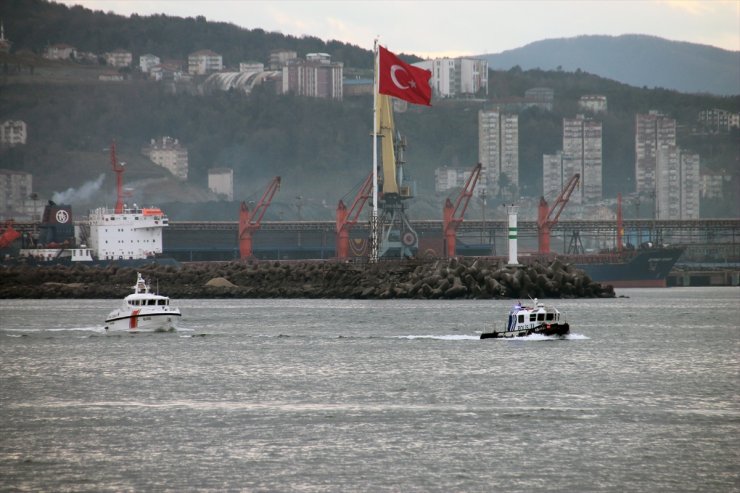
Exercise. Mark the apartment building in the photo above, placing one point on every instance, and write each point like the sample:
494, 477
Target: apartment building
119, 58
316, 76
13, 133
147, 62
221, 182
582, 153
170, 154
593, 103
678, 184
454, 77
652, 132
16, 188
203, 62
498, 153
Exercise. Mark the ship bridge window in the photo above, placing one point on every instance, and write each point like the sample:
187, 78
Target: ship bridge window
541, 317
532, 317
152, 302
160, 302
521, 319
550, 317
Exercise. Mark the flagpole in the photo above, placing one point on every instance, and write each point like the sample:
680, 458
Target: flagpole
374, 218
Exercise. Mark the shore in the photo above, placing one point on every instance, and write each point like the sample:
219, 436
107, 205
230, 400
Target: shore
438, 279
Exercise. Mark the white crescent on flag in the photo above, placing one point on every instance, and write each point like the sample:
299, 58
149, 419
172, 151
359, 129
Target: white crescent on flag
394, 68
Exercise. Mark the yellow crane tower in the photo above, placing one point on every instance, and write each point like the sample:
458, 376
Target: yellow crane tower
397, 237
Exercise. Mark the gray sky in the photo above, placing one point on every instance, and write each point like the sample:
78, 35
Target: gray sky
430, 28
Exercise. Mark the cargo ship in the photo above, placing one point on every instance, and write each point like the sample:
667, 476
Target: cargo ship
646, 267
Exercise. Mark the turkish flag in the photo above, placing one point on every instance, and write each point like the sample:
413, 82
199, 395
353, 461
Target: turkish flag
404, 81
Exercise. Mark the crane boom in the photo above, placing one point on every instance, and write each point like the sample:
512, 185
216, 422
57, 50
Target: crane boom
547, 217
347, 218
453, 215
118, 169
9, 235
249, 222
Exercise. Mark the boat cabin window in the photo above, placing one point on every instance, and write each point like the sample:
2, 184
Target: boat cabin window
541, 317
521, 319
160, 302
550, 317
152, 302
532, 317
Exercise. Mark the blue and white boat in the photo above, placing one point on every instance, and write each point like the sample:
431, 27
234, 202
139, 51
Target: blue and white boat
538, 319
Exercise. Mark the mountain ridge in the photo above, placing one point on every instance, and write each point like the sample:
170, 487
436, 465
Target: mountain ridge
639, 60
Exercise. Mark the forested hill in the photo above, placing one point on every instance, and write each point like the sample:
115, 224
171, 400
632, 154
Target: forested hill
35, 24
321, 148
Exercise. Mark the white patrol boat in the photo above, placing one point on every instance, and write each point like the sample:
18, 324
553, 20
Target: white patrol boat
143, 311
524, 321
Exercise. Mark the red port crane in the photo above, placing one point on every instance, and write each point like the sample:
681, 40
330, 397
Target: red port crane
118, 169
249, 222
452, 216
347, 218
9, 235
547, 217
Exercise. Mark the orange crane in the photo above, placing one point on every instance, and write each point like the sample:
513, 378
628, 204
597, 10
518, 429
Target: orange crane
118, 169
452, 216
249, 222
9, 235
347, 218
547, 217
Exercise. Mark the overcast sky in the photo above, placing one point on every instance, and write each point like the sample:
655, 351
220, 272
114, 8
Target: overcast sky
454, 28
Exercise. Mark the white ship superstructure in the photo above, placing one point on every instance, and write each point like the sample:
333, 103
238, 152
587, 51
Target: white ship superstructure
134, 233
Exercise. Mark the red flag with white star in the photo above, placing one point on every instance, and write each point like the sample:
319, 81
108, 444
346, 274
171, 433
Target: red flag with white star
398, 78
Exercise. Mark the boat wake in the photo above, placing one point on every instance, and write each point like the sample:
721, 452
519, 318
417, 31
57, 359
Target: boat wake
456, 337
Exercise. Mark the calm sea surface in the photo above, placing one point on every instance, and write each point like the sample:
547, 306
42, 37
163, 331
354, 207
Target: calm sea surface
339, 395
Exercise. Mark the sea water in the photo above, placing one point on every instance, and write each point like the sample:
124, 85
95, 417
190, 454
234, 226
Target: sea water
400, 395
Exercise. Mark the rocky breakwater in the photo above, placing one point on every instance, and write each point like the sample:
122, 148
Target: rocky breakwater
433, 279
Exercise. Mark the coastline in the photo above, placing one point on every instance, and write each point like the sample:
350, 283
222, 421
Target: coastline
464, 278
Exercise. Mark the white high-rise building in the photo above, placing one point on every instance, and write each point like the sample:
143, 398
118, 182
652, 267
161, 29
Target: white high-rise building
582, 146
498, 153
678, 185
221, 182
457, 76
652, 131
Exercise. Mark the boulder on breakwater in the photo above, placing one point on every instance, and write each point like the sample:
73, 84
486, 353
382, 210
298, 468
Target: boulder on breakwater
464, 278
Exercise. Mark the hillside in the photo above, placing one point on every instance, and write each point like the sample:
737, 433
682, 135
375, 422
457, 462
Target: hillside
321, 148
636, 60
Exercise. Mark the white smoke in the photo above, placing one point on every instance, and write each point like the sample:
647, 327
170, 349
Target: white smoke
79, 194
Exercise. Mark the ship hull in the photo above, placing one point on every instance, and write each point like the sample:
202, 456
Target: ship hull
647, 268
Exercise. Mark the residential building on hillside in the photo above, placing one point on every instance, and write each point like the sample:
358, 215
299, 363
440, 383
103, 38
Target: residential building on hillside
119, 58
60, 51
15, 194
498, 153
168, 153
453, 77
5, 43
203, 62
593, 102
148, 61
221, 182
251, 67
652, 132
446, 178
553, 178
357, 87
713, 184
718, 121
167, 71
582, 153
13, 133
678, 185
280, 58
316, 76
